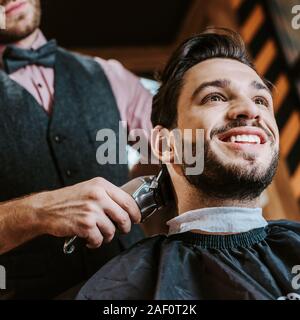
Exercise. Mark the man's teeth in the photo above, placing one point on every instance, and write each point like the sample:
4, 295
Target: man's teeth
245, 138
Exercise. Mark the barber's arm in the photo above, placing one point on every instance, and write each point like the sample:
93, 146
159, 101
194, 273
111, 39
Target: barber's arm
90, 210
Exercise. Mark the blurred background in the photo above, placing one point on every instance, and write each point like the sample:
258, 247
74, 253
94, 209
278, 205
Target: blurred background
142, 34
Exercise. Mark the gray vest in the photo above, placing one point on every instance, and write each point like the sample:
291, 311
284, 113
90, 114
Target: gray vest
40, 152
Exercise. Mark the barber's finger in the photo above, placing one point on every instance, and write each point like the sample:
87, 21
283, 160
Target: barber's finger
94, 238
125, 201
106, 227
117, 214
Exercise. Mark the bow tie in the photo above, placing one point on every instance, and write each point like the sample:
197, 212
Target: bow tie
15, 58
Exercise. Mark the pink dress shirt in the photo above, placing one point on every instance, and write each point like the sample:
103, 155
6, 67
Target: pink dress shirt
133, 100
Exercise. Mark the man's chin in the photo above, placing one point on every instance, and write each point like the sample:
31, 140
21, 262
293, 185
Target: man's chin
20, 26
246, 163
234, 152
18, 32
236, 179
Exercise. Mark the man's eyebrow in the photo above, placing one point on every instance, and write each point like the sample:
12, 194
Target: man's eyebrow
260, 86
219, 83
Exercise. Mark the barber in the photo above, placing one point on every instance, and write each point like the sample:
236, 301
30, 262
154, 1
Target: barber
52, 104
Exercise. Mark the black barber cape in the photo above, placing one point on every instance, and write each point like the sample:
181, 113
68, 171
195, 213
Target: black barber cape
262, 263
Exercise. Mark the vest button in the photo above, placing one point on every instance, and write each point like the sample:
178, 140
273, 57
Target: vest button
57, 138
68, 173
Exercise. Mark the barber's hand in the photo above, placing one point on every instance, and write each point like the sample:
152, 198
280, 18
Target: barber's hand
91, 210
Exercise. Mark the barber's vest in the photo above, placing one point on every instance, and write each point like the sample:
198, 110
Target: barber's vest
39, 152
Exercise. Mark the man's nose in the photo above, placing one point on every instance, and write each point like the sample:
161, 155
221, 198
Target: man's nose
244, 108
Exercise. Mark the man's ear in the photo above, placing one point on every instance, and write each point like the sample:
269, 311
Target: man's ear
161, 144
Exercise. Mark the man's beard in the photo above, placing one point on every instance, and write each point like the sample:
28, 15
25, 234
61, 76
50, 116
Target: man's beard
13, 34
231, 182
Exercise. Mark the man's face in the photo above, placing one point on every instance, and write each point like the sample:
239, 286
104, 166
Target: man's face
232, 104
22, 18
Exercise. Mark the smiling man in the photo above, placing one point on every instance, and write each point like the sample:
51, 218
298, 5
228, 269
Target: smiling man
219, 246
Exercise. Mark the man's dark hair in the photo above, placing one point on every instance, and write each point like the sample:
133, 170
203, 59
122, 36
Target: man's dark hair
212, 43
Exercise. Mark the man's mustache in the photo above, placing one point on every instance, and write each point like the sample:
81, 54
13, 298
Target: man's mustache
241, 123
6, 2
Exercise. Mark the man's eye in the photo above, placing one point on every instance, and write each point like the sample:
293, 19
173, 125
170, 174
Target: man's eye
261, 101
214, 98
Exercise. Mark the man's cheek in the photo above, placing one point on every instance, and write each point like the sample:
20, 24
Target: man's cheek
223, 154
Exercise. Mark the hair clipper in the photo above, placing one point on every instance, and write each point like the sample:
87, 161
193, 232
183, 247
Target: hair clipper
151, 193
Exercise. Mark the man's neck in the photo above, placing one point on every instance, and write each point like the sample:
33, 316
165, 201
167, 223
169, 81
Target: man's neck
35, 39
25, 42
190, 198
28, 41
